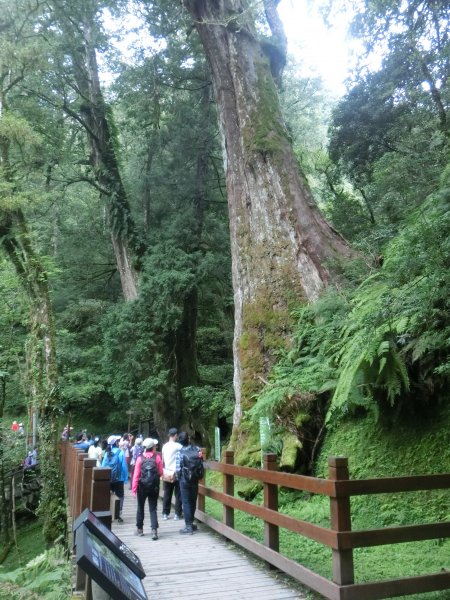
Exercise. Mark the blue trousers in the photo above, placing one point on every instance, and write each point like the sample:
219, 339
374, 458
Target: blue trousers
189, 492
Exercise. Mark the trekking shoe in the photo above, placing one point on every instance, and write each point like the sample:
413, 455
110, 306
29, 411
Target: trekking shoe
165, 517
119, 520
139, 532
176, 518
194, 527
154, 534
187, 531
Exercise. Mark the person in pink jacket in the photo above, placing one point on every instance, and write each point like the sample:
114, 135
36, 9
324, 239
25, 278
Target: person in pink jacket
146, 477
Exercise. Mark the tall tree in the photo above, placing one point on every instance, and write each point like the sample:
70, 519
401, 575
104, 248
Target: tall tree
282, 248
18, 56
76, 41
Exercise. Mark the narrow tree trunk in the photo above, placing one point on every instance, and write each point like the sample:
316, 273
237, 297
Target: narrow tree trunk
98, 125
5, 511
282, 248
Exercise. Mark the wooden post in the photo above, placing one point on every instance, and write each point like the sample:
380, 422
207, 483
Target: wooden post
74, 481
271, 532
100, 489
341, 520
78, 479
228, 488
86, 483
201, 498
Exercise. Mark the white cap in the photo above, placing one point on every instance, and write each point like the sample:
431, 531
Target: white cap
113, 439
149, 442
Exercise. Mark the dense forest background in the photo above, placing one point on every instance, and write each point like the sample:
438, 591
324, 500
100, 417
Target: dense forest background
118, 303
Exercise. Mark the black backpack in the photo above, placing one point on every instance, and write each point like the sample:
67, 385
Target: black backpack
149, 478
191, 464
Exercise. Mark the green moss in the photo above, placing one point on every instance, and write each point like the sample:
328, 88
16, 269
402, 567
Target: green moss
289, 453
266, 132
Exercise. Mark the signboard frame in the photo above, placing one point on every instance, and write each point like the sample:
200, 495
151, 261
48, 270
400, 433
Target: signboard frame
104, 566
127, 556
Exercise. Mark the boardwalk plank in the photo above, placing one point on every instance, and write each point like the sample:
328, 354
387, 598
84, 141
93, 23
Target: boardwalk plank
203, 566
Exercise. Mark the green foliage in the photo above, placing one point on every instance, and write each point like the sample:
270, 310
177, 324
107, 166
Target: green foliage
48, 575
384, 343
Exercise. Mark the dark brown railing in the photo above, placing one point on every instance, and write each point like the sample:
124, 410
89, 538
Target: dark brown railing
339, 537
88, 487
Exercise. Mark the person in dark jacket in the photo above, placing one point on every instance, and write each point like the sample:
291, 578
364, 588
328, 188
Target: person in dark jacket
188, 486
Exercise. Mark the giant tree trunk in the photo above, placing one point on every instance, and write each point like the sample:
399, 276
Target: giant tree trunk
282, 248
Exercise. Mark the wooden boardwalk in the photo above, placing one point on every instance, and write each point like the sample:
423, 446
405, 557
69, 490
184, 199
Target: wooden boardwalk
202, 566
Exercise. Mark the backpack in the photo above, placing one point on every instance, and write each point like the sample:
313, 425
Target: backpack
136, 451
112, 461
191, 464
149, 478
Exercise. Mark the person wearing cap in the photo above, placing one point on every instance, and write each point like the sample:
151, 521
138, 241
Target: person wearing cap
151, 493
116, 486
170, 484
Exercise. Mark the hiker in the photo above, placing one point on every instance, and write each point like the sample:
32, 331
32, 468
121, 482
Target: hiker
146, 477
95, 451
170, 484
136, 451
115, 460
81, 442
189, 470
15, 426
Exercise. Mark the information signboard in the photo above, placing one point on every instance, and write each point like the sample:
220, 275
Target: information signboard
106, 568
110, 540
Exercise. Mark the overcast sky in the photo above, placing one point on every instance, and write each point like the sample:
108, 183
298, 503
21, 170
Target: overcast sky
327, 52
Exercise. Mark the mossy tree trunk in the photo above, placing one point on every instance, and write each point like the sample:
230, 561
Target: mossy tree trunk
42, 372
5, 512
79, 31
283, 250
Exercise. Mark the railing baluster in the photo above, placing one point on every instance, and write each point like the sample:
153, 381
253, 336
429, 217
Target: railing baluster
343, 573
228, 488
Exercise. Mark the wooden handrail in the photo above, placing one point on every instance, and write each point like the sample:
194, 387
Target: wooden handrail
80, 476
339, 536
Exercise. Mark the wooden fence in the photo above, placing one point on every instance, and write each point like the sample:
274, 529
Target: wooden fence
88, 487
339, 537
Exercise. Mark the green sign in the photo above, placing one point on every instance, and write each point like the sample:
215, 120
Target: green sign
217, 444
264, 436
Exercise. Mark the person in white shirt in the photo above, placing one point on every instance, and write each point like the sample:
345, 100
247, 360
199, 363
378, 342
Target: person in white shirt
95, 451
169, 451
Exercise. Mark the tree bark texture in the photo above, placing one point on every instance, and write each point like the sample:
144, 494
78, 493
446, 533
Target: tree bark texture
94, 118
282, 248
42, 371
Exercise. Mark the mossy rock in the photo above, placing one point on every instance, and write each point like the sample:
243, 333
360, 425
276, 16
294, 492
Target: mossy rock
289, 454
250, 490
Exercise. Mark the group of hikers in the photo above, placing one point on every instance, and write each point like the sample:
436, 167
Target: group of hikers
179, 465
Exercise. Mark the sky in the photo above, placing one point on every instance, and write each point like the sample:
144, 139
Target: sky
323, 51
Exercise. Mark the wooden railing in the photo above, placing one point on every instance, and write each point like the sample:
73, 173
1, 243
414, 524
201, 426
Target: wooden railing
87, 486
339, 536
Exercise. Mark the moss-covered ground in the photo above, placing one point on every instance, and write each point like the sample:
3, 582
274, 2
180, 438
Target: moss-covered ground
374, 449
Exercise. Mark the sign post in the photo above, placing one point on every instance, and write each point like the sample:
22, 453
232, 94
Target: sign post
264, 436
217, 443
